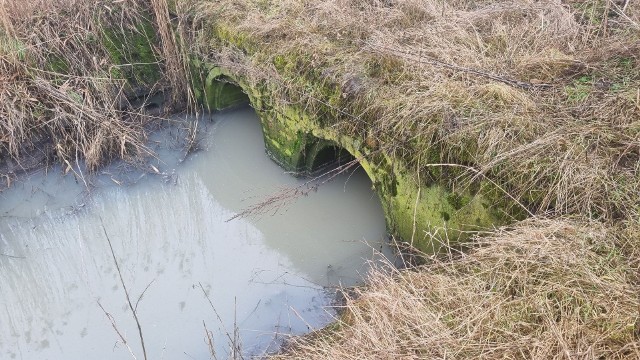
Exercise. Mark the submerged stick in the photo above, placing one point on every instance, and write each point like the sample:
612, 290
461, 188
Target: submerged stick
126, 292
115, 327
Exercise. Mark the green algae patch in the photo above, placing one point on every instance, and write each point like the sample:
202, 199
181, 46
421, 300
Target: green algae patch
221, 93
132, 51
432, 217
427, 218
286, 139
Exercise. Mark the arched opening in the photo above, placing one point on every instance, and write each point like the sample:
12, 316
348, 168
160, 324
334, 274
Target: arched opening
325, 156
299, 143
221, 92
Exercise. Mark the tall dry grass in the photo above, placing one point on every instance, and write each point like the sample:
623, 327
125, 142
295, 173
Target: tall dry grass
63, 92
545, 289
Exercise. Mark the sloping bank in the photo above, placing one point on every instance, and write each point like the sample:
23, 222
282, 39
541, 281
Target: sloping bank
465, 116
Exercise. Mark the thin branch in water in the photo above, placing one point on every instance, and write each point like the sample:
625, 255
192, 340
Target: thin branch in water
143, 292
115, 327
309, 327
209, 340
126, 292
232, 341
235, 352
282, 197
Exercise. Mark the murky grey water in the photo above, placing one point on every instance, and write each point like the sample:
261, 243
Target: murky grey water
172, 240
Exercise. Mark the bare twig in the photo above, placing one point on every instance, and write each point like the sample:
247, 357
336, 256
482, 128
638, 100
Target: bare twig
143, 292
126, 293
115, 327
279, 199
209, 341
236, 352
232, 339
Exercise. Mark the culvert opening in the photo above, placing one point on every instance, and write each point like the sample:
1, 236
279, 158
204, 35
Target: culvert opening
328, 158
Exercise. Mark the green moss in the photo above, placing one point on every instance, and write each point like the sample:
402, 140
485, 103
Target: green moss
213, 89
280, 62
390, 185
457, 201
418, 211
413, 211
132, 51
288, 141
234, 37
221, 93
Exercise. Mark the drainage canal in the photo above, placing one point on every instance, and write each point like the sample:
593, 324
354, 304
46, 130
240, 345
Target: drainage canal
184, 264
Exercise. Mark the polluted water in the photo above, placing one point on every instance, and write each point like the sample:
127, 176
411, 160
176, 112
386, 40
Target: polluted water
96, 265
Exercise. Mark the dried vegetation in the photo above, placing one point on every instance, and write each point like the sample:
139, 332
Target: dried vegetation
68, 70
542, 97
545, 289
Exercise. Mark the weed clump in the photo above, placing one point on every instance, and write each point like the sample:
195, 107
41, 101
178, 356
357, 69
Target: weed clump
69, 71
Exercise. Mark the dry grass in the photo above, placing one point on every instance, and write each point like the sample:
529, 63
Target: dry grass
545, 289
540, 96
64, 92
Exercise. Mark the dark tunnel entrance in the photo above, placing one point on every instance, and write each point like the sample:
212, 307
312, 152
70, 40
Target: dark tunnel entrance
329, 157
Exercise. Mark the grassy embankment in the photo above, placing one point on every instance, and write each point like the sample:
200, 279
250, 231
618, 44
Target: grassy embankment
542, 98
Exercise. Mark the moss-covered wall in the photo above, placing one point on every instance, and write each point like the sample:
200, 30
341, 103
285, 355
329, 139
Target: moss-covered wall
132, 50
426, 215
